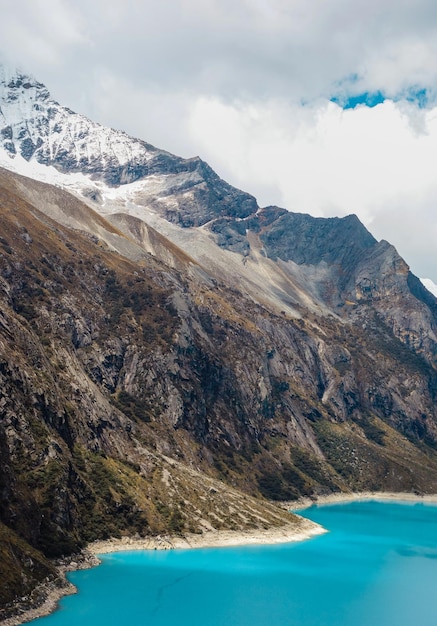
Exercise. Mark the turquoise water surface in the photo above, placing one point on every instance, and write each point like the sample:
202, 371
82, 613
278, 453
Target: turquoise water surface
376, 567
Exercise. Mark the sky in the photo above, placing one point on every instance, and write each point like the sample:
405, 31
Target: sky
321, 107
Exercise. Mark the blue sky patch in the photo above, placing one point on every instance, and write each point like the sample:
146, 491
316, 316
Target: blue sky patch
370, 99
415, 95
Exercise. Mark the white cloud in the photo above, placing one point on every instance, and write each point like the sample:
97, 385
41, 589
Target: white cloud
36, 33
232, 49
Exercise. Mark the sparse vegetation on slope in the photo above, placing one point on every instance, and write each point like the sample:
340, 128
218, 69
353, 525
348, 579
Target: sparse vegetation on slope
139, 399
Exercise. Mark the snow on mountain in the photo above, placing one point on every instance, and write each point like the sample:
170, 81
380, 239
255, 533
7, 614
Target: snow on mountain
36, 126
270, 255
93, 160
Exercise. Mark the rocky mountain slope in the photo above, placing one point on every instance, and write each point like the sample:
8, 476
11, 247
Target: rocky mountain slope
174, 358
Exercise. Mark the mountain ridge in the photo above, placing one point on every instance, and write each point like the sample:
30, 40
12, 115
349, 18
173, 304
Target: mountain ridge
53, 135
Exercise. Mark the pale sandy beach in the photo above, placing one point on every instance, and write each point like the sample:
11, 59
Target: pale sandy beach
338, 498
210, 539
305, 529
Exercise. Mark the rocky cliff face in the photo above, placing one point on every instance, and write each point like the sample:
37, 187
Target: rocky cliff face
100, 389
111, 366
172, 357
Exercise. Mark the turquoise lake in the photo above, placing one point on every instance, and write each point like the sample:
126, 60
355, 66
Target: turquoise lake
376, 567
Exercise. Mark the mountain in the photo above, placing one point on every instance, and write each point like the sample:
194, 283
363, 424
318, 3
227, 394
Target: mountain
174, 358
35, 128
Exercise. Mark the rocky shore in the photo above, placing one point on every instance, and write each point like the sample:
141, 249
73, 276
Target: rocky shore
209, 539
341, 498
46, 596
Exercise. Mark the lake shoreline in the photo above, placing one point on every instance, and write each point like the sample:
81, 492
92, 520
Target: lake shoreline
212, 539
342, 498
48, 594
44, 599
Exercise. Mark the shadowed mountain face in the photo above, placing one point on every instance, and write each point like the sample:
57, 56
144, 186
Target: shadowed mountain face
172, 356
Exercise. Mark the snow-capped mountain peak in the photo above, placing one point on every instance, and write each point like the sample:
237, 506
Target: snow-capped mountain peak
92, 159
35, 126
